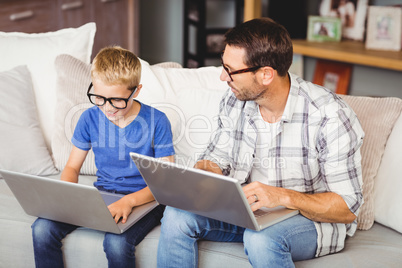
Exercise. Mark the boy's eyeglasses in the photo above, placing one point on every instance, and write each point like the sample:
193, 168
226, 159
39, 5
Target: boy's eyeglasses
246, 70
118, 103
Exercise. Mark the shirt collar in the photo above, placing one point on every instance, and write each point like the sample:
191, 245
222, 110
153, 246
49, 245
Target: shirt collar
290, 106
251, 107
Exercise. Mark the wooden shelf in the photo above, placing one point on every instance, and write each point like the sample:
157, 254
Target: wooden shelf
350, 52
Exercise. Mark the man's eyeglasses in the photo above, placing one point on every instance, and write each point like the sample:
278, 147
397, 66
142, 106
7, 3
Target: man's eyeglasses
246, 70
118, 103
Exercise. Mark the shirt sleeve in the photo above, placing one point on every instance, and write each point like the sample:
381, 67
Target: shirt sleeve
163, 138
81, 137
339, 143
218, 148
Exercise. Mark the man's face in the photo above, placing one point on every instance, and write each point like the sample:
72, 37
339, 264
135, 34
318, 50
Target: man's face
245, 85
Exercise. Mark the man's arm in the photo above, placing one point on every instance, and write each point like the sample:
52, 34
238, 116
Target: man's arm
320, 207
208, 165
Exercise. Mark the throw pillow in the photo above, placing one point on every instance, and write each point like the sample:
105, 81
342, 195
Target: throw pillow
23, 147
73, 79
377, 117
38, 52
388, 183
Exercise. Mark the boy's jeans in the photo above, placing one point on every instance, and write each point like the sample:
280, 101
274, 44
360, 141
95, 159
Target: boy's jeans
276, 246
119, 248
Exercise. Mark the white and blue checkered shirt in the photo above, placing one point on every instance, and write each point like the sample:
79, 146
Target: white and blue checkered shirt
316, 149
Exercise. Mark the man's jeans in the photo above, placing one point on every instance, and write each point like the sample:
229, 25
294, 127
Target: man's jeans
279, 245
119, 248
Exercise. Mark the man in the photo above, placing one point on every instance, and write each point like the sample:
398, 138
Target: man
294, 143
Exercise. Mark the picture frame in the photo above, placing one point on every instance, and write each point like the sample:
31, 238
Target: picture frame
215, 42
334, 76
322, 29
384, 28
352, 13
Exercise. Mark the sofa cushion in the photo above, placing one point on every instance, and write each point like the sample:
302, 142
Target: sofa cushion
196, 95
388, 182
38, 52
377, 117
23, 147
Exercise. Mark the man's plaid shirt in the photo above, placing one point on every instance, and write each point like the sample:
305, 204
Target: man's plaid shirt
316, 150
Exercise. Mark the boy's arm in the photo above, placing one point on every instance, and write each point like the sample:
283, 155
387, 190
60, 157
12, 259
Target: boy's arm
72, 169
122, 208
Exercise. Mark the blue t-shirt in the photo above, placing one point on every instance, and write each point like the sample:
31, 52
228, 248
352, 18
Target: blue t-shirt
148, 134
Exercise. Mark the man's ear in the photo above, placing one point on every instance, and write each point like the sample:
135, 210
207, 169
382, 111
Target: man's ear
268, 74
137, 91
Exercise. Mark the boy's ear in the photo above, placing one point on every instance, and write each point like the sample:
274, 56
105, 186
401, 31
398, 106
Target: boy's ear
137, 91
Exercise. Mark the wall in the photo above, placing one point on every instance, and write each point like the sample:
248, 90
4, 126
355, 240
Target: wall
161, 40
161, 30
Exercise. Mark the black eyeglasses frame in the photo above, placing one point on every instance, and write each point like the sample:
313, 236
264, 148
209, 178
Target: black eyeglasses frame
110, 100
245, 70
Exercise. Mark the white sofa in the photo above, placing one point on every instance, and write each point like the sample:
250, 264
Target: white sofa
42, 98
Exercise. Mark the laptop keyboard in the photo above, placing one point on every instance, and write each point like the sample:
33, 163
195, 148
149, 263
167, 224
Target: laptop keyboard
259, 212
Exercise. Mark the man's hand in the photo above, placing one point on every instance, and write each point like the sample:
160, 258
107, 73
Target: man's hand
262, 195
320, 207
121, 209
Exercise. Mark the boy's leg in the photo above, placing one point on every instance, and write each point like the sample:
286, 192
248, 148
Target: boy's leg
180, 232
120, 248
47, 236
279, 245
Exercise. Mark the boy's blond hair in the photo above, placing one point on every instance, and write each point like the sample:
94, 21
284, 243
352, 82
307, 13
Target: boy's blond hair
116, 66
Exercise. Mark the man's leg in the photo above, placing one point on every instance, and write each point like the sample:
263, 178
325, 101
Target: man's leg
279, 245
180, 232
47, 236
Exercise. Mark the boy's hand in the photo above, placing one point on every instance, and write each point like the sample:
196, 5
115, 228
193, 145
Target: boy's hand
121, 209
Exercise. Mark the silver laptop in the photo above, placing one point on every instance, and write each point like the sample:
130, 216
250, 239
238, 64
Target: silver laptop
68, 202
205, 193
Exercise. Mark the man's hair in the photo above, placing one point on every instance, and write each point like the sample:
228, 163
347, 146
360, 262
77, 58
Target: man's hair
266, 42
116, 66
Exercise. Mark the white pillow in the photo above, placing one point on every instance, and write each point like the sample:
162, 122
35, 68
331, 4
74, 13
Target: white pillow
388, 182
38, 52
23, 148
191, 103
200, 109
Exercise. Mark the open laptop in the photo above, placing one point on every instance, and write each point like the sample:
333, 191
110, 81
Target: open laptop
205, 193
68, 202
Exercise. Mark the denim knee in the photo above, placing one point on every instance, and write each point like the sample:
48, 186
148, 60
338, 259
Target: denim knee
116, 247
40, 231
45, 232
254, 240
179, 220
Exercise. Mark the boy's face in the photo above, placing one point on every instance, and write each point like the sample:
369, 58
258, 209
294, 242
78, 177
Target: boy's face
115, 91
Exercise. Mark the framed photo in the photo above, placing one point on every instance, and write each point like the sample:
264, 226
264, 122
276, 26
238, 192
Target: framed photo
384, 28
352, 14
334, 76
215, 43
324, 29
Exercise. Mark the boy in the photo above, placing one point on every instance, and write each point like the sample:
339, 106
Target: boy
116, 125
